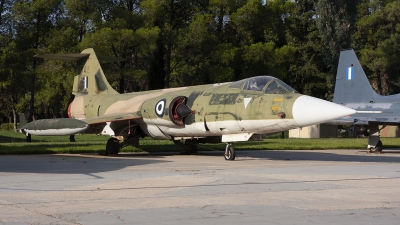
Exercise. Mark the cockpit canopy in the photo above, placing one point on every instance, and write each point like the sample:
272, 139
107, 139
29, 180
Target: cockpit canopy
267, 84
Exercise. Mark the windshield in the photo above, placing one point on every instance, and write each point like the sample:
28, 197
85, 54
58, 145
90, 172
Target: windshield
256, 83
270, 85
275, 88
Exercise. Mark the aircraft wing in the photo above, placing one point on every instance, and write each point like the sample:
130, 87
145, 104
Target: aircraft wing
112, 118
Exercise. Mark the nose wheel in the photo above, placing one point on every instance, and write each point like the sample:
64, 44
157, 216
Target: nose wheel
378, 148
374, 142
229, 152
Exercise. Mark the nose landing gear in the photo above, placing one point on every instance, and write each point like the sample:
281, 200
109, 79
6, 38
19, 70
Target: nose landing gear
229, 152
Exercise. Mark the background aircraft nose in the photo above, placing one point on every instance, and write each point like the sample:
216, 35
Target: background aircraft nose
309, 110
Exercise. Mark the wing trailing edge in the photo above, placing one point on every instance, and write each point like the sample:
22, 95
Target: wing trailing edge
112, 118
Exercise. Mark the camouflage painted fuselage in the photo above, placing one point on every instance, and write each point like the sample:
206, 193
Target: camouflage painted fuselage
217, 110
228, 111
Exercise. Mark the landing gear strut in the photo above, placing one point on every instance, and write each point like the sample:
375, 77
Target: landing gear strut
130, 136
190, 146
112, 146
229, 152
374, 142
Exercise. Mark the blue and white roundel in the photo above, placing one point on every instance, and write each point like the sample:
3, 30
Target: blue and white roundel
160, 106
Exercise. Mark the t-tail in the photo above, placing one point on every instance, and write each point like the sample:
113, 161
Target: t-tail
352, 84
89, 80
89, 77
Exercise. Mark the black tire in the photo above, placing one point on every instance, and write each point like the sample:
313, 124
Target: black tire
379, 146
112, 146
188, 149
229, 152
191, 146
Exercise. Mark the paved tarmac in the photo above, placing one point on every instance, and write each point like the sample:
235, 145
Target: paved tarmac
260, 187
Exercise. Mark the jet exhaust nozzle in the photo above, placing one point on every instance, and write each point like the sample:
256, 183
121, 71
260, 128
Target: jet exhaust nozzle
178, 110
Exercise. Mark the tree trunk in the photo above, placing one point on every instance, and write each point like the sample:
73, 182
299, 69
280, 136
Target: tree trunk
168, 63
32, 100
14, 113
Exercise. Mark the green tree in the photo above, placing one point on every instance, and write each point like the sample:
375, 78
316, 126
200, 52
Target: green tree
336, 22
377, 38
34, 20
171, 16
193, 53
13, 76
307, 70
136, 47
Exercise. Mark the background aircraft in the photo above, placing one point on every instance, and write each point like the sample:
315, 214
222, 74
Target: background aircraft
353, 90
225, 112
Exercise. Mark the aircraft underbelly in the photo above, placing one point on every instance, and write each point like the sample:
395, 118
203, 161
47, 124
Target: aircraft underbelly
221, 128
156, 132
266, 126
217, 125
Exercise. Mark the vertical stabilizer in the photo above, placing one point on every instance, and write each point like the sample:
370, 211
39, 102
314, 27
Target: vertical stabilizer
352, 85
22, 120
89, 77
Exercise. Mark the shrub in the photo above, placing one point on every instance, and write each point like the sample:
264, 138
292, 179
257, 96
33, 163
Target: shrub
8, 126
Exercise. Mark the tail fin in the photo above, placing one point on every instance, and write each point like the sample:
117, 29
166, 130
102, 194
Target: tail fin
352, 85
22, 120
89, 77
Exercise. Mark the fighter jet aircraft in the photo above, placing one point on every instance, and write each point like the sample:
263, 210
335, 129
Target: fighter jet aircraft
353, 90
223, 112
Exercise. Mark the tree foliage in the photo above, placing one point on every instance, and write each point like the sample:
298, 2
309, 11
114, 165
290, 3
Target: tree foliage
170, 43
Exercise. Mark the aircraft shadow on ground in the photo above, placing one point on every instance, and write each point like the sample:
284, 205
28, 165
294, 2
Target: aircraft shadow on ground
389, 156
6, 139
89, 164
360, 156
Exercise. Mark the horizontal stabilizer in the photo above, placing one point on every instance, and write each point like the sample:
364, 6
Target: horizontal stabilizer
63, 57
77, 57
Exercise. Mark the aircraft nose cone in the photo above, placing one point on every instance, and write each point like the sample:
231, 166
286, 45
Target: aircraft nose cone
309, 111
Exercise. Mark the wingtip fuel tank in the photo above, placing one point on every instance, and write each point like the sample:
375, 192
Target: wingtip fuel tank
55, 127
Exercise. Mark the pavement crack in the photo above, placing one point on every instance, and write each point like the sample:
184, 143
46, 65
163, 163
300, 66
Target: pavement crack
52, 216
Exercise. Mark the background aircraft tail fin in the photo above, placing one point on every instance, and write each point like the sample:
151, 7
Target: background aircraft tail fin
22, 120
89, 76
352, 84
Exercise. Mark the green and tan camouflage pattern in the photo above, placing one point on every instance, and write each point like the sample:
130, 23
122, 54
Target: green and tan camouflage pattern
217, 109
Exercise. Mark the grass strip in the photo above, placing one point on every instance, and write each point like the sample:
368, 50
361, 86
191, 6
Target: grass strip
14, 143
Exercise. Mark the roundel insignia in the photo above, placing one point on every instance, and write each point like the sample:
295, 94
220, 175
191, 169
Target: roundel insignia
160, 106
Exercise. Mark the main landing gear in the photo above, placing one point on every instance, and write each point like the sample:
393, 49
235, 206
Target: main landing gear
229, 152
374, 142
190, 145
112, 147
